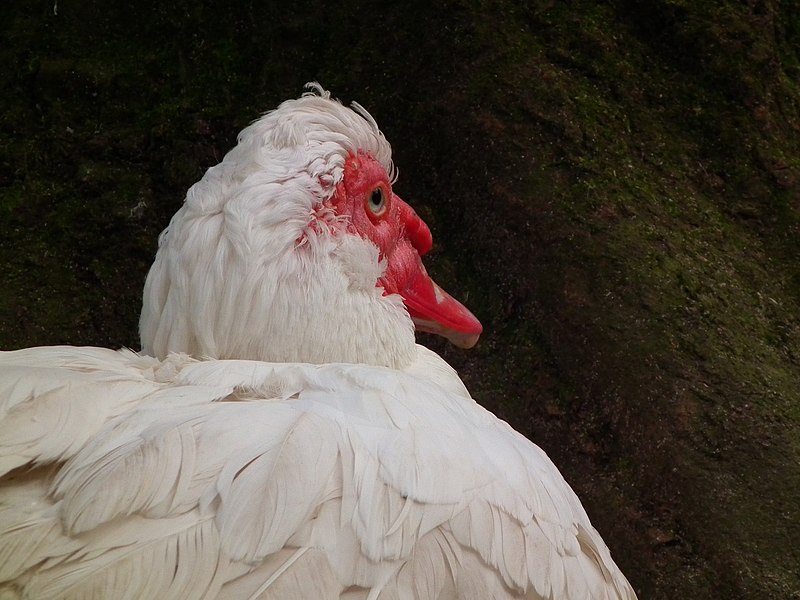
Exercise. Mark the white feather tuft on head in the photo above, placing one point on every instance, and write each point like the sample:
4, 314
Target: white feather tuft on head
253, 266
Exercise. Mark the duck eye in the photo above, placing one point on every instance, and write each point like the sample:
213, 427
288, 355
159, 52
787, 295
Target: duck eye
376, 202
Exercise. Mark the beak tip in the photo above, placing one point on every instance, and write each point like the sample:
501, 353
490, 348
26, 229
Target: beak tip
464, 341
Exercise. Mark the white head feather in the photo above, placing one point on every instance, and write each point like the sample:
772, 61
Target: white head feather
253, 266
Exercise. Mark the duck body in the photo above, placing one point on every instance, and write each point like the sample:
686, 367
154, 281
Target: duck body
282, 435
131, 477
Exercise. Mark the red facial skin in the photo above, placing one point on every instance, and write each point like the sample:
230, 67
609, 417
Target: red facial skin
377, 214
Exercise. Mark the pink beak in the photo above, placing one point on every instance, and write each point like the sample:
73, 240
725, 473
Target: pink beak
435, 311
432, 309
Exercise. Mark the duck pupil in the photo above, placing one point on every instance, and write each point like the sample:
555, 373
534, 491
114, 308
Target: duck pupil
376, 199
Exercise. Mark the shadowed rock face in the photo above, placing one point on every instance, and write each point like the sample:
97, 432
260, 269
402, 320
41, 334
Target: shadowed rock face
614, 187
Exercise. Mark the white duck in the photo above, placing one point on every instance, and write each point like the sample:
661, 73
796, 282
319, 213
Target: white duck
282, 435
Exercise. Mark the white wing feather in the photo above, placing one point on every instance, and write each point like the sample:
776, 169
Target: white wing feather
129, 477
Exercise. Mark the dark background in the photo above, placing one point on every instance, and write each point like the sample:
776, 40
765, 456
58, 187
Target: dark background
613, 188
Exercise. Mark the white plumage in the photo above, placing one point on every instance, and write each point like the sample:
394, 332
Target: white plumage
308, 448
